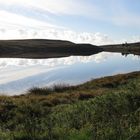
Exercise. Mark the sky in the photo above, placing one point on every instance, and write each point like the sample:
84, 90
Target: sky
81, 21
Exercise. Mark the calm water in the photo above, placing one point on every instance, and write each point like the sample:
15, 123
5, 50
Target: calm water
19, 75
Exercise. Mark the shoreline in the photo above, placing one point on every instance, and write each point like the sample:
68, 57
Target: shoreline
106, 80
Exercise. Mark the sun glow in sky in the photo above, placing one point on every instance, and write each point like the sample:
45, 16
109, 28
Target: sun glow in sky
87, 21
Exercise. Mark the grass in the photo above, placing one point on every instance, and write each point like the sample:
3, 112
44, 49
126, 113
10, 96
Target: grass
102, 109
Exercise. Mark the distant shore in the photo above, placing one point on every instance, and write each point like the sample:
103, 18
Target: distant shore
124, 48
41, 48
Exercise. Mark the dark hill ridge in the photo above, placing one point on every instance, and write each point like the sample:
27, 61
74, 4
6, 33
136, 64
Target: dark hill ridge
39, 48
43, 48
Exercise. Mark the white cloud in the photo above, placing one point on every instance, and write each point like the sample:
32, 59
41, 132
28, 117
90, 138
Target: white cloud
135, 39
54, 33
114, 11
13, 21
36, 13
16, 25
57, 7
61, 34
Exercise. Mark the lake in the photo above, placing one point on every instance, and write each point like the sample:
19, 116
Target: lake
19, 75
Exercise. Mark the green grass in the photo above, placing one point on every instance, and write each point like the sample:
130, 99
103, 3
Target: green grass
102, 109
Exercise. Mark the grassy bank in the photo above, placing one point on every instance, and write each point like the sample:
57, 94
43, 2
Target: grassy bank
102, 109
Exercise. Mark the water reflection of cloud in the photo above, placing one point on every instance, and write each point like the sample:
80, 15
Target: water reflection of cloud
53, 62
17, 75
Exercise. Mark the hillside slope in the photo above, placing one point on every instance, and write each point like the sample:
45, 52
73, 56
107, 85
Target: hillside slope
103, 109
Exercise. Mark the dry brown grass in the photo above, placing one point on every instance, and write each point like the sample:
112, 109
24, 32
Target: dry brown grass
68, 95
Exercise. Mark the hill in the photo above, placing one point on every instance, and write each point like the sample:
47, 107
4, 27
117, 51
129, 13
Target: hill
39, 48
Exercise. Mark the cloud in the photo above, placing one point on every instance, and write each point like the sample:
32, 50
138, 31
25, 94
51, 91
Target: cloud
113, 11
13, 21
53, 33
56, 7
33, 19
135, 39
61, 34
52, 62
